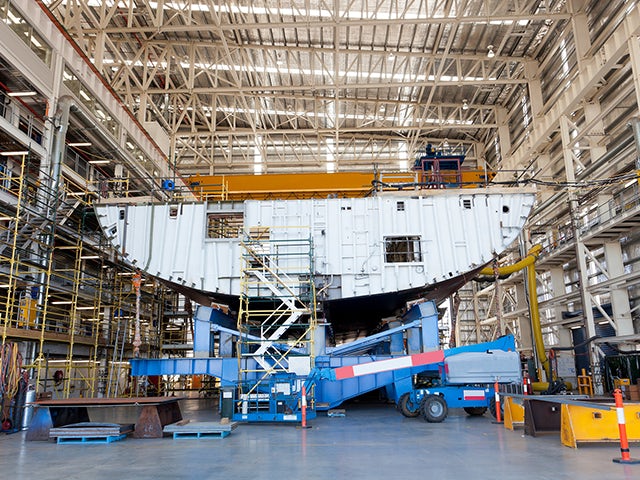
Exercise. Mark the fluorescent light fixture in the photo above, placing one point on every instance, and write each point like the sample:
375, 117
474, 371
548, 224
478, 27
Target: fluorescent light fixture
89, 257
79, 144
85, 96
61, 302
99, 162
12, 18
16, 152
29, 93
4, 217
85, 308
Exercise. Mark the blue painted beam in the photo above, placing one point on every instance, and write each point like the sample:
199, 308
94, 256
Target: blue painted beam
506, 343
226, 369
368, 342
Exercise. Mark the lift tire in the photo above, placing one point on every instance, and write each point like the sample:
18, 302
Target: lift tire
434, 408
408, 408
475, 411
492, 408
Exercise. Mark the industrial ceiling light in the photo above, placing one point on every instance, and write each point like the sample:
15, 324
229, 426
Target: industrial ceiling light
465, 104
29, 93
79, 144
491, 53
16, 152
99, 162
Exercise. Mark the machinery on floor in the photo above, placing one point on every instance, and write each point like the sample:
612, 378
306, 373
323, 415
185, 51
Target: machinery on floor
389, 360
464, 380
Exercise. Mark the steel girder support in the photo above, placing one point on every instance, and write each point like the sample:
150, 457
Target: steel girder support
634, 58
619, 293
592, 71
583, 273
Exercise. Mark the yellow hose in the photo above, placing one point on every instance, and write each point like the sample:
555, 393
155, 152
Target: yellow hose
516, 267
535, 320
528, 262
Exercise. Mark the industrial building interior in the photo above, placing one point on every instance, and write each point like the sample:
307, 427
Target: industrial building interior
188, 102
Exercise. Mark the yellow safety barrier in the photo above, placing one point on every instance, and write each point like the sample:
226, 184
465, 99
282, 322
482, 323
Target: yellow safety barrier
513, 413
585, 424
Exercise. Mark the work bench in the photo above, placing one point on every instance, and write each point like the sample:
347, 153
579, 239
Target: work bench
154, 413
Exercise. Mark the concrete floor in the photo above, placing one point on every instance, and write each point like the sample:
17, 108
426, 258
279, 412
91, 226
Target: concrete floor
372, 442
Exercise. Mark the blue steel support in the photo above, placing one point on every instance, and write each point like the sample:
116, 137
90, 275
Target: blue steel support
421, 321
201, 337
329, 393
427, 338
506, 343
226, 369
204, 320
367, 342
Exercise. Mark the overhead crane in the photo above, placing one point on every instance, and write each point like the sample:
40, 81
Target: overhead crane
433, 168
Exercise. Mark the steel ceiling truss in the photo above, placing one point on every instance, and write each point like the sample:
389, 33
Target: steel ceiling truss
360, 153
332, 72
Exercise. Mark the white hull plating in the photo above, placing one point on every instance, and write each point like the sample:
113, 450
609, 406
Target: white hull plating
361, 246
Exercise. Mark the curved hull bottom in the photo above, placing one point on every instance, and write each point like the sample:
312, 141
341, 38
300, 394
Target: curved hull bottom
354, 314
365, 313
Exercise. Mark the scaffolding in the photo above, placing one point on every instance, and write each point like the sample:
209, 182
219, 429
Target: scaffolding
65, 296
277, 316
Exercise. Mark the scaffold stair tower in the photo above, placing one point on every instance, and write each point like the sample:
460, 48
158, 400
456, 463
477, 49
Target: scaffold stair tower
277, 315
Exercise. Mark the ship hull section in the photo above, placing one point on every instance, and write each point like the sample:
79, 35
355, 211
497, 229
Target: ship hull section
358, 247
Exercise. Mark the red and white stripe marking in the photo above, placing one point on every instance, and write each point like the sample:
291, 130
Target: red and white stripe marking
391, 364
473, 395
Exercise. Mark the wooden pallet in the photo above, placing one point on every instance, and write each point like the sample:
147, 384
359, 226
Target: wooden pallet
200, 429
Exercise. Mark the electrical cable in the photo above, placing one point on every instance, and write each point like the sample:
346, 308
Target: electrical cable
10, 376
579, 345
